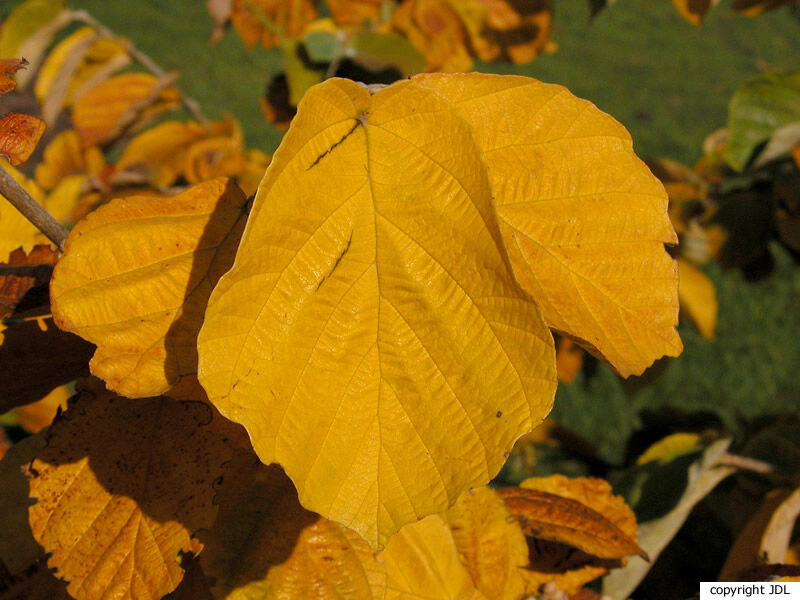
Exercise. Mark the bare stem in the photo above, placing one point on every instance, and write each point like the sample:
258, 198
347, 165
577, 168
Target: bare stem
32, 210
745, 463
189, 103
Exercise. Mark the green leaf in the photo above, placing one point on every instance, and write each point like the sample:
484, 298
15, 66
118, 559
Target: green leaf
378, 51
757, 110
323, 46
300, 75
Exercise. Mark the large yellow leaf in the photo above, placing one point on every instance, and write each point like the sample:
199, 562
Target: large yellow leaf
369, 335
583, 219
135, 277
121, 487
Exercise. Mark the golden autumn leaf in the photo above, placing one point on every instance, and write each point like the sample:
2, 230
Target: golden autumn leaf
569, 359
511, 30
698, 297
437, 30
119, 103
422, 562
268, 21
583, 220
491, 544
19, 135
264, 544
15, 229
670, 447
9, 66
694, 10
121, 488
64, 156
354, 12
558, 561
143, 303
38, 415
370, 308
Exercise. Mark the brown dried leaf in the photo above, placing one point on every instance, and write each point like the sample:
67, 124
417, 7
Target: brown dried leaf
121, 488
25, 277
9, 66
548, 516
19, 134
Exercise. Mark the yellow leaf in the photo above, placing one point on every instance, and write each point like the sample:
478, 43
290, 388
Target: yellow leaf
62, 201
135, 277
569, 359
694, 10
265, 545
162, 150
583, 219
671, 447
490, 542
28, 30
370, 309
64, 156
124, 101
35, 417
121, 488
16, 230
422, 562
437, 30
698, 297
19, 134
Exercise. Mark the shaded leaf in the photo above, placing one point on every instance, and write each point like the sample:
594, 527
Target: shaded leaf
28, 30
19, 135
379, 298
65, 156
121, 487
422, 562
122, 102
757, 109
18, 549
765, 539
23, 274
569, 359
490, 543
782, 141
265, 545
36, 357
143, 303
698, 297
9, 66
38, 415
703, 475
36, 583
586, 240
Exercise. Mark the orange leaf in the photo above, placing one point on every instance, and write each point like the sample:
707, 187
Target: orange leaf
569, 359
8, 66
437, 30
22, 274
121, 488
266, 21
560, 519
65, 156
122, 102
354, 12
698, 297
143, 304
19, 134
